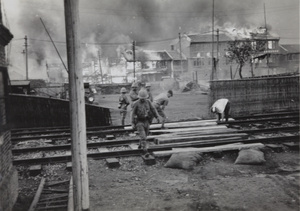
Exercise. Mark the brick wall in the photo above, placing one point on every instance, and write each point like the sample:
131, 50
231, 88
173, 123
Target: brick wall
8, 174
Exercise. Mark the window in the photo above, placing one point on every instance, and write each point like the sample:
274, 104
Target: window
290, 57
271, 44
172, 48
198, 62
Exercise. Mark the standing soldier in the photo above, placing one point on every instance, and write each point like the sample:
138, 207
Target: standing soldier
148, 87
140, 118
123, 103
133, 94
160, 102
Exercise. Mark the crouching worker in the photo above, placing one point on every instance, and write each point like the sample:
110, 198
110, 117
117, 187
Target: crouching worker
140, 118
123, 103
160, 102
221, 107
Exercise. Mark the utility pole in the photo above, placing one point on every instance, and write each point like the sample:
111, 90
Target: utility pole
100, 67
26, 57
77, 107
180, 53
212, 44
133, 52
217, 61
265, 17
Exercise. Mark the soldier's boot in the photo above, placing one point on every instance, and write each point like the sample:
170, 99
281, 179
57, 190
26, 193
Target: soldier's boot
145, 148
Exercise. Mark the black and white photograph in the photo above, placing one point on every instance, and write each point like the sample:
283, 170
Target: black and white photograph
149, 105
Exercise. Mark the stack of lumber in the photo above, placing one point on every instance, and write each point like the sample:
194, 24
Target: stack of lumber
201, 133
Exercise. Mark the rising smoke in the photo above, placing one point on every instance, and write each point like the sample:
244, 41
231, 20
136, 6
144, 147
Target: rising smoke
115, 22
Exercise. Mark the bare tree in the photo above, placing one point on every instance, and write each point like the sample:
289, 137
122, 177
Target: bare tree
242, 51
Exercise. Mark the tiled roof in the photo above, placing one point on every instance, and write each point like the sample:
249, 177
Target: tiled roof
176, 55
208, 38
295, 48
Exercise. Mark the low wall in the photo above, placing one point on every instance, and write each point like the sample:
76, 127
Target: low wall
257, 95
32, 111
112, 88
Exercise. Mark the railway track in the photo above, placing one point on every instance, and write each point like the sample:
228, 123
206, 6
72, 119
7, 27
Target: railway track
52, 195
284, 128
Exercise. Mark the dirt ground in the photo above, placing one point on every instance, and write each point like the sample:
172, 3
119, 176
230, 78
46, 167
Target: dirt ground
216, 183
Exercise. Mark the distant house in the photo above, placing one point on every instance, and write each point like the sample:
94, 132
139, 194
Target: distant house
198, 48
152, 65
289, 57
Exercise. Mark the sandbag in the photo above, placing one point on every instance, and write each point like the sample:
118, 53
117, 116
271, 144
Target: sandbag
250, 156
184, 160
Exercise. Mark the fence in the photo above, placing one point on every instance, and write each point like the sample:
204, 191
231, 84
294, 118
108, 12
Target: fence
32, 111
259, 95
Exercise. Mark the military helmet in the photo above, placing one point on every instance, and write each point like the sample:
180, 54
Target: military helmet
134, 85
123, 90
143, 94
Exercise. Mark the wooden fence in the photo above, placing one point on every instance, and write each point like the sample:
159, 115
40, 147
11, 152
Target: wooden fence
259, 95
32, 111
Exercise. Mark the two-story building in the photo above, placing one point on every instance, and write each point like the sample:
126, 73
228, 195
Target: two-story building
200, 53
152, 65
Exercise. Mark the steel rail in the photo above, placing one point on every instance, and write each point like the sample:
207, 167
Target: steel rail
67, 135
27, 131
68, 146
294, 113
137, 152
129, 141
259, 120
59, 136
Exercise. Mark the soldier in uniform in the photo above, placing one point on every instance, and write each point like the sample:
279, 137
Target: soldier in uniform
133, 94
160, 102
148, 88
123, 103
140, 118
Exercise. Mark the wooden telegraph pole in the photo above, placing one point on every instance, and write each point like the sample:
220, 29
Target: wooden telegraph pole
26, 57
77, 108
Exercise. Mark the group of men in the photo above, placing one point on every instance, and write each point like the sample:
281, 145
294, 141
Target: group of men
144, 108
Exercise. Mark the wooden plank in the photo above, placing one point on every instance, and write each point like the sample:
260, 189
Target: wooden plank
69, 166
54, 197
70, 199
149, 160
57, 183
35, 170
200, 137
215, 128
193, 133
109, 137
37, 195
112, 162
188, 143
182, 124
134, 146
208, 149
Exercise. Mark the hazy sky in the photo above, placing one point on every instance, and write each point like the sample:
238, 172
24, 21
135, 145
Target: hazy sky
114, 22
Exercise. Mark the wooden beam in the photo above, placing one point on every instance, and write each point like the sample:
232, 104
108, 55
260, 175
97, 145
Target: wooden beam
70, 197
208, 149
166, 140
37, 195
